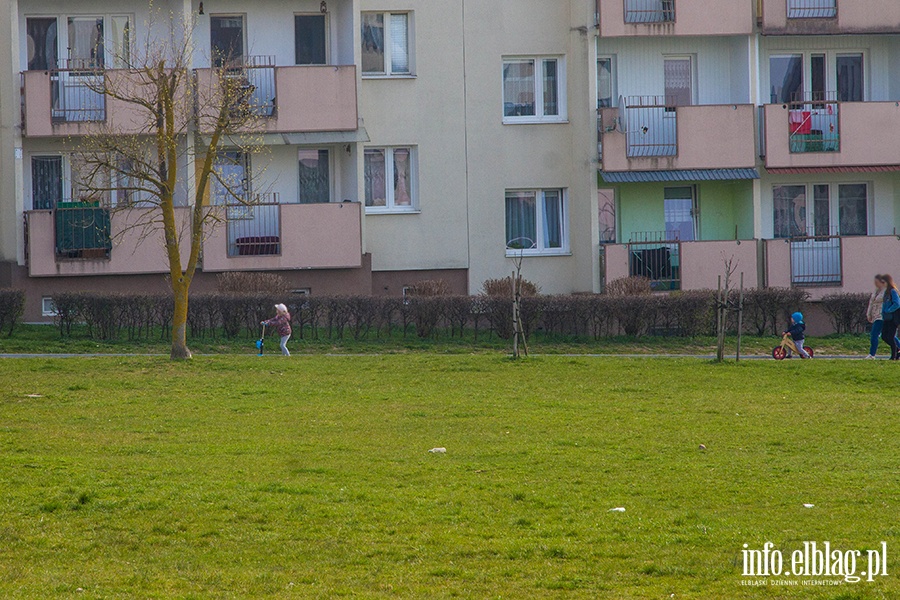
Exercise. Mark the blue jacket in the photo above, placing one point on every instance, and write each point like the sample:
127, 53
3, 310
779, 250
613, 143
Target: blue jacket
891, 303
797, 331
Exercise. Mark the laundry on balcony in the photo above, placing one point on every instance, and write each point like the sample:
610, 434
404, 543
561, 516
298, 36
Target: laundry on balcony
801, 121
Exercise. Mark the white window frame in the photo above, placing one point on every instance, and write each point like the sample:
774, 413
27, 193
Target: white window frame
830, 69
613, 76
110, 60
834, 215
48, 307
388, 46
540, 249
561, 90
328, 35
389, 207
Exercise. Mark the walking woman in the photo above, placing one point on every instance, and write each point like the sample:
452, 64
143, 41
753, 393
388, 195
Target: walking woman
873, 316
889, 315
282, 323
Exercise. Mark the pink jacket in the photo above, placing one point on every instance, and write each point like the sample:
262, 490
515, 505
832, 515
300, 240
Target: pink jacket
281, 323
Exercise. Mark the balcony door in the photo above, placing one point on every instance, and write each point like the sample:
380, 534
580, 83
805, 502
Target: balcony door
680, 209
679, 80
226, 36
231, 185
311, 39
43, 43
46, 181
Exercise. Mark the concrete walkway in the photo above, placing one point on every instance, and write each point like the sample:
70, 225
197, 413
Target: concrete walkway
349, 355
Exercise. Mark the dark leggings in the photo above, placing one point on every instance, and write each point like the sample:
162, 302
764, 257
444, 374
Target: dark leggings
889, 335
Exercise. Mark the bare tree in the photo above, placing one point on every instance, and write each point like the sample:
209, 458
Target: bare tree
164, 148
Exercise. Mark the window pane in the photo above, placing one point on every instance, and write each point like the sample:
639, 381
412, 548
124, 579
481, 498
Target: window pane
853, 209
551, 88
817, 77
373, 43
790, 210
226, 39
518, 88
376, 189
822, 210
314, 176
604, 83
46, 181
230, 186
86, 42
42, 43
521, 220
120, 33
850, 79
309, 39
678, 82
786, 78
553, 219
402, 178
400, 43
678, 210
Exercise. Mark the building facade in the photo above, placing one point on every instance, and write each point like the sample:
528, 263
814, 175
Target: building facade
406, 140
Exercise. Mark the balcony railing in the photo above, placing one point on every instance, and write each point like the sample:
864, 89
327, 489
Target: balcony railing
76, 94
651, 126
649, 11
255, 79
812, 9
82, 230
816, 260
656, 255
814, 124
254, 227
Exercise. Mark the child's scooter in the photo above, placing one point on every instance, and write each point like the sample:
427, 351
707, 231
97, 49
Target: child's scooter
259, 342
787, 344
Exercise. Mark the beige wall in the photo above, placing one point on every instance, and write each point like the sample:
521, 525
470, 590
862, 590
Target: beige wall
709, 137
692, 17
10, 142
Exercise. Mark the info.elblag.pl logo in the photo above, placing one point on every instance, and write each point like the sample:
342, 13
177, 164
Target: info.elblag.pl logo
813, 563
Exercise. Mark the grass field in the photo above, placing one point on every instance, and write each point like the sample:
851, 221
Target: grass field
241, 477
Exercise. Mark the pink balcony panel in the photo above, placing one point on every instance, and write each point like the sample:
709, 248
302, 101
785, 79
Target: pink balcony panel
850, 17
868, 138
310, 236
136, 249
691, 17
708, 137
703, 262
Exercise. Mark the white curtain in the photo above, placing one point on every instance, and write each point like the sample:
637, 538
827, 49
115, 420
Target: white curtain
400, 43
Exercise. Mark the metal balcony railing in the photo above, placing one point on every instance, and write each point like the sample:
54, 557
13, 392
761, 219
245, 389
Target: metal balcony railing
76, 93
816, 260
254, 77
814, 123
812, 9
656, 255
254, 227
651, 126
649, 11
82, 230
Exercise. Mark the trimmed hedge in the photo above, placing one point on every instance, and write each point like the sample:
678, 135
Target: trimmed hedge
847, 312
428, 313
12, 305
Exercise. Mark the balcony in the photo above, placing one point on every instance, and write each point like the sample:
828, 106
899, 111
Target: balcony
271, 236
626, 18
295, 99
653, 136
674, 264
77, 239
818, 17
834, 135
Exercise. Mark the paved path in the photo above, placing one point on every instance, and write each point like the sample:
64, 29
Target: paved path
567, 355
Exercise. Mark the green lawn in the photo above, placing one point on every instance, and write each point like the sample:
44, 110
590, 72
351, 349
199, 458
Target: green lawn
246, 477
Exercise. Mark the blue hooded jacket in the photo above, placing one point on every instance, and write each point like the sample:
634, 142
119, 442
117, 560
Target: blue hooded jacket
797, 328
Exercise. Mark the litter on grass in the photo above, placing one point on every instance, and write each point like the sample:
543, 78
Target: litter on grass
809, 506
438, 450
617, 509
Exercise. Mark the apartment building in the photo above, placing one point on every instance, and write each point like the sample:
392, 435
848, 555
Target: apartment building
410, 139
759, 131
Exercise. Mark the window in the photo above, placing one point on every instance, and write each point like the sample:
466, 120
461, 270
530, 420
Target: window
536, 222
46, 181
226, 34
606, 81
386, 44
43, 44
86, 43
120, 37
315, 176
846, 204
679, 80
310, 39
817, 77
389, 178
48, 307
533, 90
231, 184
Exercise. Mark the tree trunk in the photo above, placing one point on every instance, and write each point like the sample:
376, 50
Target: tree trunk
180, 350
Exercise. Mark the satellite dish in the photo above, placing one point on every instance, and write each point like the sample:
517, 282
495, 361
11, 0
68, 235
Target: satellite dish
622, 121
